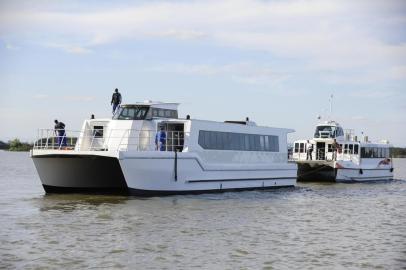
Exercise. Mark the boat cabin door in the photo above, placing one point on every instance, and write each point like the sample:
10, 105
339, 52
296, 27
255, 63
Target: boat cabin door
320, 151
174, 136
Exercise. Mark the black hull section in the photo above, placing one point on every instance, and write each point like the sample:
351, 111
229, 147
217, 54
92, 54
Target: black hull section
146, 193
317, 173
90, 190
80, 173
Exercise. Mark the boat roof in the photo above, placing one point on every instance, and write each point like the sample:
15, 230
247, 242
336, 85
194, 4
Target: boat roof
154, 104
329, 123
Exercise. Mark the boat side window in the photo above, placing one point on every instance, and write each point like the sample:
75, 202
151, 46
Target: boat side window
346, 149
351, 149
217, 140
374, 152
356, 147
98, 131
301, 148
296, 147
266, 143
131, 113
164, 113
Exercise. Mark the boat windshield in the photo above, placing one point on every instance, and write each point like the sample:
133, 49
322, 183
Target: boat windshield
325, 132
131, 113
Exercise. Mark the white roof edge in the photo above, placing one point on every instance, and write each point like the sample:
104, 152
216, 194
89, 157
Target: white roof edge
149, 103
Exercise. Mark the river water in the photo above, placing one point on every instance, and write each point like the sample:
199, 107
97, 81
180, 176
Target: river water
312, 226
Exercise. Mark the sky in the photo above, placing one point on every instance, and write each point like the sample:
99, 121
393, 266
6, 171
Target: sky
277, 62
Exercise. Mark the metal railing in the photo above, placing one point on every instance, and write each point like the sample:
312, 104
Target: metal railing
110, 140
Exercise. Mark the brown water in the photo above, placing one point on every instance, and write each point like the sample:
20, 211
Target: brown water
313, 226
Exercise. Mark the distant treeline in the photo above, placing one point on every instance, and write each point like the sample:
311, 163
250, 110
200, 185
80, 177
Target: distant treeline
398, 152
17, 145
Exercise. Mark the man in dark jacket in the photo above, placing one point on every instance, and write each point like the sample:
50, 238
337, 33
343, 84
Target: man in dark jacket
60, 133
116, 100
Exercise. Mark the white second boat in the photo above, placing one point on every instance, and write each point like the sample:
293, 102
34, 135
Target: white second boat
334, 154
120, 155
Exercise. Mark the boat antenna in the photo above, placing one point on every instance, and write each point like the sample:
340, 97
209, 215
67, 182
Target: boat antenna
331, 106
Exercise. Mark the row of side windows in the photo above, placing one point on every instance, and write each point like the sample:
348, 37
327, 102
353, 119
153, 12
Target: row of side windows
164, 113
300, 148
351, 149
374, 152
216, 140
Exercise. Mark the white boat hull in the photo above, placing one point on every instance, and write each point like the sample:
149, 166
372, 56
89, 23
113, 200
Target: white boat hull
152, 173
363, 175
329, 171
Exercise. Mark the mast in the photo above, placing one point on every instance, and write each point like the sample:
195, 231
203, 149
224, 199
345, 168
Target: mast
331, 106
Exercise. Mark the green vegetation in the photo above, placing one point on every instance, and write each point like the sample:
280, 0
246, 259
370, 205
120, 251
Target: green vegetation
17, 145
398, 152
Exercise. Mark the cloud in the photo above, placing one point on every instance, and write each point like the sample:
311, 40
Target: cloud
11, 47
372, 94
73, 49
247, 73
321, 35
79, 98
41, 96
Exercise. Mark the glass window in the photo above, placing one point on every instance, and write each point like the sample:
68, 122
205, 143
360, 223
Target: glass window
301, 147
329, 147
217, 140
262, 143
296, 147
131, 113
351, 149
98, 131
356, 149
325, 132
345, 148
375, 152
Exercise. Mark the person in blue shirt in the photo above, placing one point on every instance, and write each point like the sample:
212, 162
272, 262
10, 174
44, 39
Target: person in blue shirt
160, 139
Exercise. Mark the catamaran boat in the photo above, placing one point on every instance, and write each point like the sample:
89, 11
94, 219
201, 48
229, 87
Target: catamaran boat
196, 156
337, 155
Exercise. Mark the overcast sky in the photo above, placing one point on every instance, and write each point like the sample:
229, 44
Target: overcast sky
277, 62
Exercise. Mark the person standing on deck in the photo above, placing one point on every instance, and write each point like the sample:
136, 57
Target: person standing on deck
60, 133
309, 151
160, 139
116, 100
335, 147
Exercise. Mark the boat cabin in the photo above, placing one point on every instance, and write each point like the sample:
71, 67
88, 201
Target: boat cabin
328, 129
